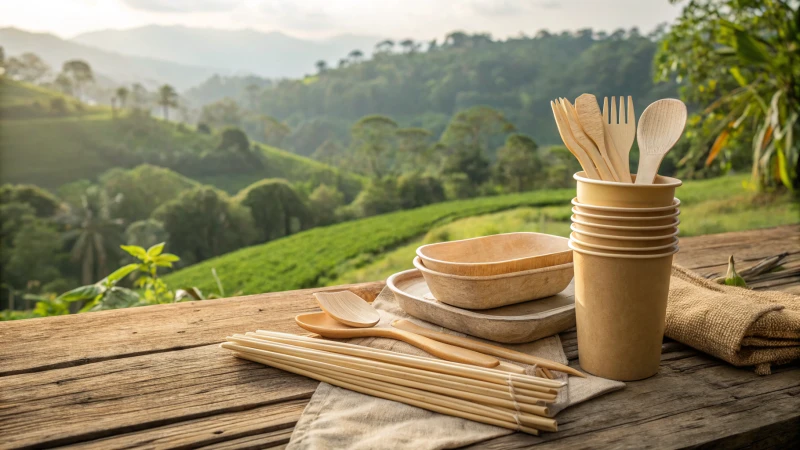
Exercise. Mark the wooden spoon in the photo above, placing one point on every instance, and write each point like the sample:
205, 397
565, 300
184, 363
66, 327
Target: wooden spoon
348, 308
591, 120
324, 325
660, 127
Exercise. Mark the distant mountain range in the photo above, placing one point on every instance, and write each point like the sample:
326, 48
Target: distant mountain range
122, 68
271, 55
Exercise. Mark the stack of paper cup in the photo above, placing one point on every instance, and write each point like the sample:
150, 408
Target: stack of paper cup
623, 238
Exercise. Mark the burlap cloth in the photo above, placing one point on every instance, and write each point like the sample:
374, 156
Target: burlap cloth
339, 418
740, 326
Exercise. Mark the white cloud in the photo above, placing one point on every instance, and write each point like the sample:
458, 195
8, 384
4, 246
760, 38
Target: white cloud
182, 6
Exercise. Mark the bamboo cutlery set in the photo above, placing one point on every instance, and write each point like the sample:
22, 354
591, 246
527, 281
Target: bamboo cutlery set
468, 382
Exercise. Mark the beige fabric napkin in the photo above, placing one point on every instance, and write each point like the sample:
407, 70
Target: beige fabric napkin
339, 418
740, 326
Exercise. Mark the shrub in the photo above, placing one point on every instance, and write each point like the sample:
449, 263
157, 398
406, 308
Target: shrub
234, 139
419, 190
323, 202
276, 208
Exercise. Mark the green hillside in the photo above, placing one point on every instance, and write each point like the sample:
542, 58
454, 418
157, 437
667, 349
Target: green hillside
372, 248
51, 151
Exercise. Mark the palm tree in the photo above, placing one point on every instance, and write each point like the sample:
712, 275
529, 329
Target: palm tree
95, 234
356, 55
167, 98
122, 95
322, 66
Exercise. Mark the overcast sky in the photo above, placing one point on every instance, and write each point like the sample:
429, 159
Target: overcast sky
322, 18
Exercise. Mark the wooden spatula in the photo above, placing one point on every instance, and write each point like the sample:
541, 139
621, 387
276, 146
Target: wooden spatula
660, 127
591, 121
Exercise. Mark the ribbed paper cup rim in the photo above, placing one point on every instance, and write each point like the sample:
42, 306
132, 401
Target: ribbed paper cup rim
625, 218
621, 256
670, 182
626, 249
628, 228
676, 202
624, 238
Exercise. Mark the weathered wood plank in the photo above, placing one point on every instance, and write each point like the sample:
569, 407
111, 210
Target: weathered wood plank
55, 342
129, 395
710, 253
695, 400
260, 427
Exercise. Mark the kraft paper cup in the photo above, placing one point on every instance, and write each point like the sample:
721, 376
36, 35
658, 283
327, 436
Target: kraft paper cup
625, 212
641, 221
623, 252
622, 241
628, 195
629, 231
620, 307
629, 250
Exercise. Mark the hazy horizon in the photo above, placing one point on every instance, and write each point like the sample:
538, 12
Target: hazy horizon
317, 20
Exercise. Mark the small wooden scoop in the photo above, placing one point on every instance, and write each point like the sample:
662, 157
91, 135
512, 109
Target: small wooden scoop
324, 325
660, 127
485, 348
348, 308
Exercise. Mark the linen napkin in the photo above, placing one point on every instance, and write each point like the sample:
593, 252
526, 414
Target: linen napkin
340, 418
740, 326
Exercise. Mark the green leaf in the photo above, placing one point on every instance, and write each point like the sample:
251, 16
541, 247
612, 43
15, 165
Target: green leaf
155, 250
750, 50
122, 272
192, 292
163, 264
738, 76
134, 250
732, 278
82, 293
783, 168
119, 297
167, 257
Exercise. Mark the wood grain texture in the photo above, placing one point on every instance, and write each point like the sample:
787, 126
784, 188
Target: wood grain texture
620, 132
591, 120
660, 127
583, 141
569, 141
89, 380
348, 308
54, 342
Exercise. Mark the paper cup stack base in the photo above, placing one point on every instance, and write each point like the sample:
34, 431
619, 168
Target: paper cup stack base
624, 237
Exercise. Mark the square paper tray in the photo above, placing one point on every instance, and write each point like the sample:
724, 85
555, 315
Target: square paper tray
512, 324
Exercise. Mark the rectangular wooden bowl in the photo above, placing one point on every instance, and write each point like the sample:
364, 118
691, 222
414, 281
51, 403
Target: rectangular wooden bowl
496, 255
512, 324
496, 290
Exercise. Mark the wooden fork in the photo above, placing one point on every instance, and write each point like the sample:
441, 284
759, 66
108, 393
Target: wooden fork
620, 132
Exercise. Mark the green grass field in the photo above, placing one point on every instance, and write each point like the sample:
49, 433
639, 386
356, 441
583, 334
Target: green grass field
373, 248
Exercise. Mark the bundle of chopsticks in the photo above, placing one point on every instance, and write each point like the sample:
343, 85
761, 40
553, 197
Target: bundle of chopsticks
508, 400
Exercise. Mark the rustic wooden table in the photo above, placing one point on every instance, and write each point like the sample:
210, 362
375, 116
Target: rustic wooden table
154, 377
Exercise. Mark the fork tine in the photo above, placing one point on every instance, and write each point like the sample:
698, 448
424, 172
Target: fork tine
631, 115
614, 119
605, 110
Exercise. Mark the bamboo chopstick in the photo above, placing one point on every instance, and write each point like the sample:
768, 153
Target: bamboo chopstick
390, 396
526, 404
322, 345
435, 365
507, 414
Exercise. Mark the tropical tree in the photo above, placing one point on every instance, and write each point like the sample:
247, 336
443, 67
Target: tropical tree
252, 91
322, 66
518, 165
139, 96
122, 95
222, 113
740, 58
372, 138
275, 131
80, 73
342, 63
167, 98
408, 45
323, 202
474, 127
94, 233
384, 46
355, 55
276, 207
27, 67
414, 149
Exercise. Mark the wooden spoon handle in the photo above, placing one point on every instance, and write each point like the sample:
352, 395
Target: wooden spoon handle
440, 349
406, 325
648, 168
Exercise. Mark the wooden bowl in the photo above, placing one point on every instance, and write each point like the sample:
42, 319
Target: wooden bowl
573, 237
496, 290
622, 241
497, 254
626, 212
626, 195
642, 221
614, 230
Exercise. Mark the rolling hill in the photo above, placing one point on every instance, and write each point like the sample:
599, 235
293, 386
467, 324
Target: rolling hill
59, 148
